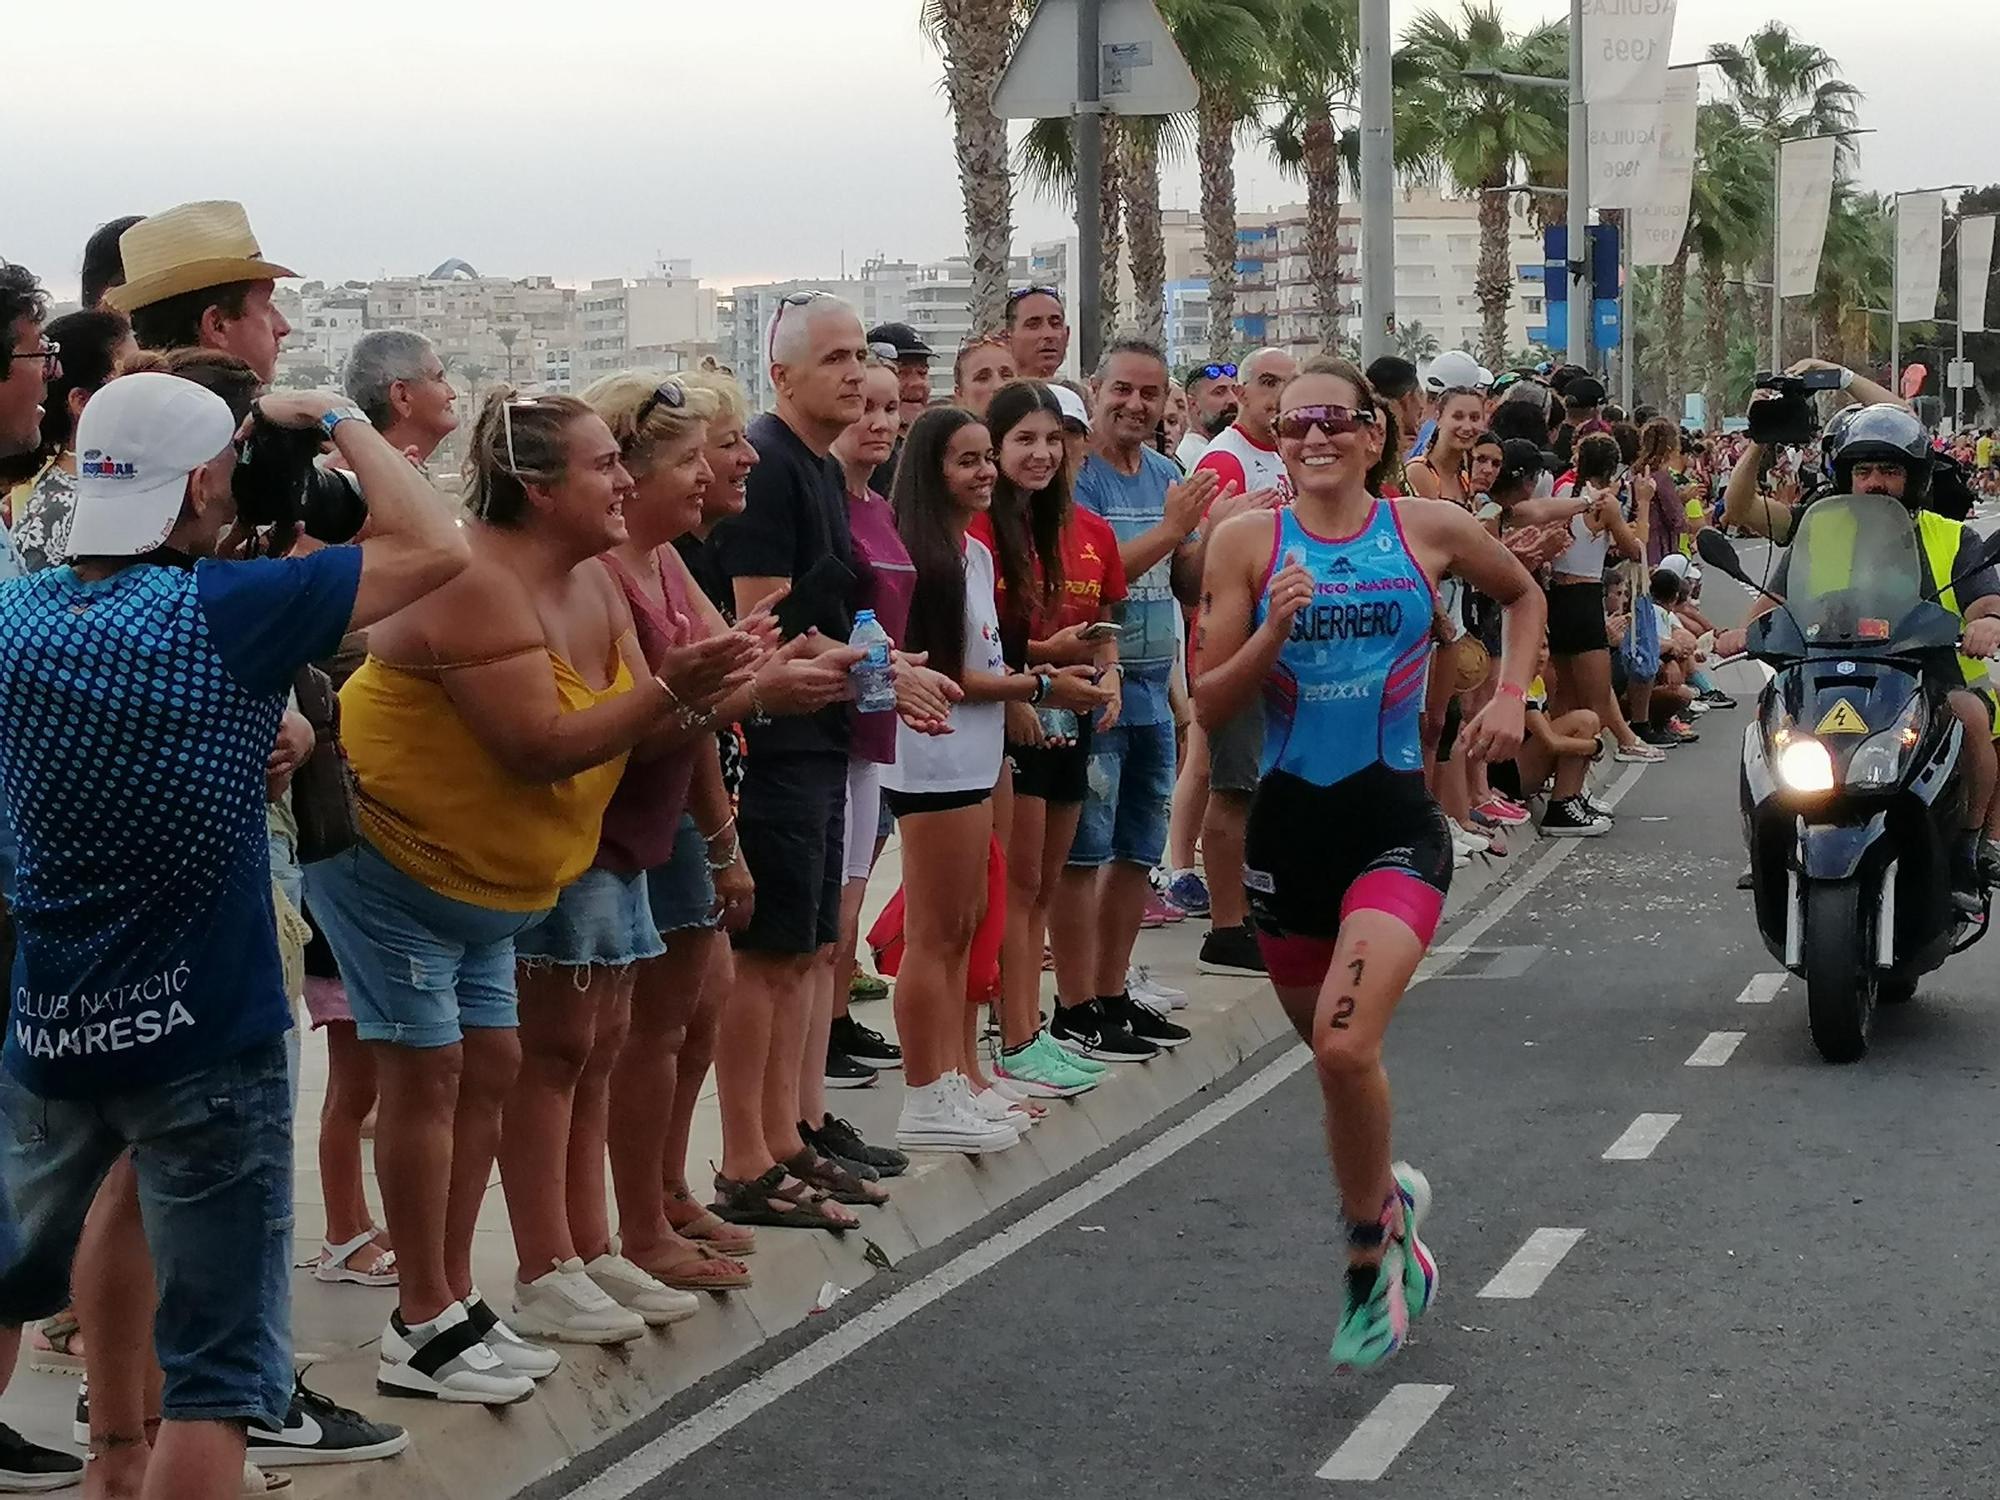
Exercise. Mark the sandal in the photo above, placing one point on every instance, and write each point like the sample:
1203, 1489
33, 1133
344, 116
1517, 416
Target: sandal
706, 1272
257, 1482
332, 1266
56, 1347
751, 1203
730, 1239
834, 1179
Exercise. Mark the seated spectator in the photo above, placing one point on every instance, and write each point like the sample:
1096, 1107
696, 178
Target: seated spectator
1557, 753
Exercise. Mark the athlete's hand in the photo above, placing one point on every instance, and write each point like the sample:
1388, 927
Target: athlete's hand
1188, 501
1291, 592
1982, 636
1495, 731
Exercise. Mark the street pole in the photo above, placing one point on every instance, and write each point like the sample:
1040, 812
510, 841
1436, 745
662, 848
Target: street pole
1578, 232
1378, 183
1896, 299
1089, 187
1627, 337
1957, 390
1777, 262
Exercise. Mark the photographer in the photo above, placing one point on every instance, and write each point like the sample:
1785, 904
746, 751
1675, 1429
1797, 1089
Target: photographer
1745, 505
149, 964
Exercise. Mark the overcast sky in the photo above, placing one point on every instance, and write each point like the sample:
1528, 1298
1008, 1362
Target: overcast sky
760, 138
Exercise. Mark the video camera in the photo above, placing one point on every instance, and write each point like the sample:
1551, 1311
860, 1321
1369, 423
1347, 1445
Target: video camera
1786, 416
278, 484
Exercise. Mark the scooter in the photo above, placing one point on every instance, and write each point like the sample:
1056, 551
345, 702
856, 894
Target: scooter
1853, 782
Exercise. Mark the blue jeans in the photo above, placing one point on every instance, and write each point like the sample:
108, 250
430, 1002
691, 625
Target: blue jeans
419, 967
1131, 775
214, 1157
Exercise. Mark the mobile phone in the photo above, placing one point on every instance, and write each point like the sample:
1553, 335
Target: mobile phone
1101, 630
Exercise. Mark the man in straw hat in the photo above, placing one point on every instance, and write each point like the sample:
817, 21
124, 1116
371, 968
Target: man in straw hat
195, 277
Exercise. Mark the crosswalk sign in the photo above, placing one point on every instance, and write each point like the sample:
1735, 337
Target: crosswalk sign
1842, 719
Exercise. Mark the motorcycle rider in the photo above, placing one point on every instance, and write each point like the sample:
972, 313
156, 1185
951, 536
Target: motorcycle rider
1884, 450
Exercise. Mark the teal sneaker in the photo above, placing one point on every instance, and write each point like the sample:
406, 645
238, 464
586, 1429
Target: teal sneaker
1374, 1319
1044, 1071
1420, 1267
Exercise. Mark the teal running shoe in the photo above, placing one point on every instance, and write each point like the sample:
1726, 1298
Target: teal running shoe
1044, 1071
1374, 1319
1420, 1267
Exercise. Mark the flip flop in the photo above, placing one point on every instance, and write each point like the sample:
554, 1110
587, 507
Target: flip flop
707, 1272
731, 1239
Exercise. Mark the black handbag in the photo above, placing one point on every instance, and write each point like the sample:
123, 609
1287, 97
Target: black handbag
323, 791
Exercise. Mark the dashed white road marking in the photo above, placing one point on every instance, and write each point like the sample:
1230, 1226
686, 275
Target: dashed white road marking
1715, 1049
1384, 1433
1640, 1137
1530, 1266
1762, 989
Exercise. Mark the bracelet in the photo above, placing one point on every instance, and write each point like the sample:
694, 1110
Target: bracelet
1515, 691
717, 866
757, 714
1043, 682
673, 698
727, 824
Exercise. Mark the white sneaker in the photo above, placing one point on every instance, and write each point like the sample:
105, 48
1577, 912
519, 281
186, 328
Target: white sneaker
566, 1305
1148, 991
1467, 840
632, 1286
445, 1360
536, 1361
1011, 1099
937, 1117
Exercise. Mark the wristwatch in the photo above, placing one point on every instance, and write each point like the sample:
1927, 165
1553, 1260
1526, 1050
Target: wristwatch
338, 415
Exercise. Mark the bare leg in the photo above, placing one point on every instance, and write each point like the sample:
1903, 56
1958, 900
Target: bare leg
742, 1048
665, 992
350, 1094
1585, 682
589, 1121
413, 1166
115, 1298
1073, 932
196, 1461
1125, 890
558, 1033
697, 1053
791, 1025
944, 893
825, 979
492, 1060
1021, 944
1190, 803
1222, 844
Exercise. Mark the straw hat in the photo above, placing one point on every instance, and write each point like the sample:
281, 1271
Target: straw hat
185, 249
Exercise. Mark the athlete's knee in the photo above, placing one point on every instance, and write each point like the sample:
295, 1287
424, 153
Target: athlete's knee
1341, 1050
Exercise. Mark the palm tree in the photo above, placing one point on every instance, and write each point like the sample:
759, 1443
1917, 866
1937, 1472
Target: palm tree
976, 38
1317, 49
1226, 44
1786, 88
1859, 267
1416, 343
1475, 131
1728, 209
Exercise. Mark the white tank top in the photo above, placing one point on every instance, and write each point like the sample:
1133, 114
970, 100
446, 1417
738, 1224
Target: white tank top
1585, 555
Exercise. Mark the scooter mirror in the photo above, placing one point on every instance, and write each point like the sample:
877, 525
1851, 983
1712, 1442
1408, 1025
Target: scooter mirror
1717, 549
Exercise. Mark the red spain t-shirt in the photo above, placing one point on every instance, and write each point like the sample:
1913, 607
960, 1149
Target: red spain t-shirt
1093, 573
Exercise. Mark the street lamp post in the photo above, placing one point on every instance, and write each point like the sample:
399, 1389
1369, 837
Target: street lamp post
1378, 182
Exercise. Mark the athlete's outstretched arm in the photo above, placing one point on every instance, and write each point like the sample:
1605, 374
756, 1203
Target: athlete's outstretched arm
1233, 655
1475, 556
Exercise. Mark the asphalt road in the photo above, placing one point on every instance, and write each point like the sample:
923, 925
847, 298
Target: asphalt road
1788, 1295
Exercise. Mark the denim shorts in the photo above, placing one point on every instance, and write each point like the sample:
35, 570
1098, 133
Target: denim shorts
214, 1157
600, 918
1131, 783
681, 892
419, 967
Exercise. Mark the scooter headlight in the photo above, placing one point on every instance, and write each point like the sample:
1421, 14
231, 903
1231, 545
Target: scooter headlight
1804, 765
1881, 758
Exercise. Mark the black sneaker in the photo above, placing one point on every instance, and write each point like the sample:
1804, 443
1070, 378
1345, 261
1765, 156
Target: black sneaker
843, 1072
1595, 808
1716, 698
319, 1431
1569, 819
1087, 1029
28, 1468
1659, 739
1231, 950
1142, 1023
838, 1138
864, 1044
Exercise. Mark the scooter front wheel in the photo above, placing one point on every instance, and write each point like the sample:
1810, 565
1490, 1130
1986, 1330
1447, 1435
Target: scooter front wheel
1841, 981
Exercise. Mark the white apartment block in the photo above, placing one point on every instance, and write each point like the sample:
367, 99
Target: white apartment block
880, 294
486, 328
663, 321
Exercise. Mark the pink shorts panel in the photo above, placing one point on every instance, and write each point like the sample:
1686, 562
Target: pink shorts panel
1296, 962
1417, 904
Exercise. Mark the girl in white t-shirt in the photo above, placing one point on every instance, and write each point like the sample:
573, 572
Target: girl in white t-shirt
941, 787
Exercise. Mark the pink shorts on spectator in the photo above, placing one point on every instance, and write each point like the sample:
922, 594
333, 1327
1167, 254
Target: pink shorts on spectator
326, 1000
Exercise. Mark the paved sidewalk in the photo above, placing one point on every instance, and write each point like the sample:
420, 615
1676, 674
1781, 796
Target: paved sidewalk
471, 1453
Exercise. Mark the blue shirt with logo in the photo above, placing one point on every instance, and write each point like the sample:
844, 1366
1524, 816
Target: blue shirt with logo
1134, 504
137, 714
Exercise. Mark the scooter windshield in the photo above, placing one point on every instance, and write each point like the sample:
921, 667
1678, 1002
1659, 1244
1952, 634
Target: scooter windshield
1855, 570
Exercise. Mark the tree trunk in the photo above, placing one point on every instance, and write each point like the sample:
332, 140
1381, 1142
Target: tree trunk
978, 37
1215, 146
1142, 226
1673, 329
1494, 285
1830, 343
1322, 173
1715, 352
1111, 234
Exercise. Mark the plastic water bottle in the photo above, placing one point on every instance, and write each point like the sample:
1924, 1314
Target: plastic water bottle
874, 688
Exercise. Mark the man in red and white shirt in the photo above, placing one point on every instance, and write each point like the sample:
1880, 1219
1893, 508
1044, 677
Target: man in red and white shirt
1244, 456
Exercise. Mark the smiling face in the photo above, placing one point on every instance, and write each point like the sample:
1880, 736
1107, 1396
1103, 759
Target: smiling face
870, 440
666, 499
1031, 451
1131, 396
22, 388
1325, 464
587, 505
1461, 419
969, 470
730, 460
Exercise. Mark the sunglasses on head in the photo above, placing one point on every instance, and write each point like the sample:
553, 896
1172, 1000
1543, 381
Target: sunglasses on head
791, 299
1335, 421
668, 394
1033, 291
1212, 372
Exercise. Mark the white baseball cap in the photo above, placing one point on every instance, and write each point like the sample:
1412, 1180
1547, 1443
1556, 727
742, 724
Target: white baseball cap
1454, 367
1073, 409
136, 443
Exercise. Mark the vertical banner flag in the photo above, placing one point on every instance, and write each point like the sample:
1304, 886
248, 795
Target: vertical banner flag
1805, 194
1975, 270
1625, 46
1919, 255
1661, 220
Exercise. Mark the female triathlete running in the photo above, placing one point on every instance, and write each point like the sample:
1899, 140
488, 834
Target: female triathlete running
1325, 607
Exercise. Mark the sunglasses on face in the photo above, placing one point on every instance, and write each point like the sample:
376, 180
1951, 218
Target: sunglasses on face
1335, 421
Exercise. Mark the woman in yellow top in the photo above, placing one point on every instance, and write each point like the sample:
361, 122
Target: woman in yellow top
487, 731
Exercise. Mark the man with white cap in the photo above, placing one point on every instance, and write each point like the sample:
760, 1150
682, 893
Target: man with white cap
140, 692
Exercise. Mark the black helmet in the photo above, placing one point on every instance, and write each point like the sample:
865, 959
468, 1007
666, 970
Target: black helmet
1883, 433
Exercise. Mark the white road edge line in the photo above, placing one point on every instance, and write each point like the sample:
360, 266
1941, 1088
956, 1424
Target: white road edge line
1640, 1137
1530, 1266
1384, 1433
1715, 1049
1762, 989
679, 1443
